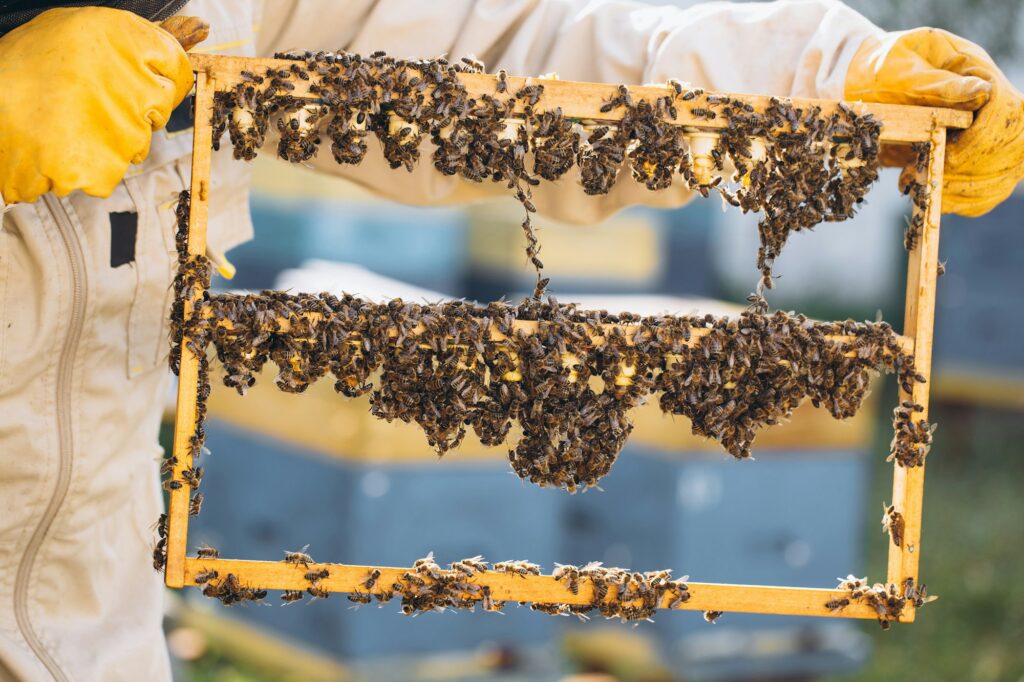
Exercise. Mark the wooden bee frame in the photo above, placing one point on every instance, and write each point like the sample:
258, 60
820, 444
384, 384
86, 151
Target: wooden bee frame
901, 125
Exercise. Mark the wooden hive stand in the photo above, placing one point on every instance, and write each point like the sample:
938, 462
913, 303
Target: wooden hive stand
901, 125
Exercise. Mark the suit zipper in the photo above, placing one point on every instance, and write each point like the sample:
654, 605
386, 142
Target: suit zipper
65, 376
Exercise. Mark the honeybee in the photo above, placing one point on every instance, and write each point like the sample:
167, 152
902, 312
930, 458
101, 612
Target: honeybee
371, 579
893, 524
207, 552
205, 577
316, 576
520, 568
837, 604
318, 592
471, 565
291, 596
360, 598
712, 616
300, 557
569, 573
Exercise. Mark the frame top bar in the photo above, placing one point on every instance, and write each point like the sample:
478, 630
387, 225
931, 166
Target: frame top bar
900, 123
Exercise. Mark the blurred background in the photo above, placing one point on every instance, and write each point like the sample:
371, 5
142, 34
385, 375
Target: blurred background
289, 470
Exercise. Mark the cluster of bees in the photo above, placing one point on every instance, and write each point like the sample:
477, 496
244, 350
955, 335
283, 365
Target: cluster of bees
799, 167
615, 592
568, 385
918, 193
912, 437
888, 601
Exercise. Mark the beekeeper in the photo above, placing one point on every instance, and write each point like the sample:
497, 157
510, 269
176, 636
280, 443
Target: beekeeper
93, 152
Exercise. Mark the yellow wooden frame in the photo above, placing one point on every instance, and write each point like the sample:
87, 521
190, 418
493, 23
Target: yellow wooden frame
901, 125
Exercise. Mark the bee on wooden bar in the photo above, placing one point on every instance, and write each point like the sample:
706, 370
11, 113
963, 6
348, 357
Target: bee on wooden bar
205, 577
168, 464
291, 596
371, 579
893, 524
837, 604
360, 598
207, 552
193, 476
550, 609
298, 558
384, 596
570, 574
317, 576
470, 566
520, 568
317, 592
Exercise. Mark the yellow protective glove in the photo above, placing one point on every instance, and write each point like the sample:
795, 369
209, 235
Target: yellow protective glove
930, 67
81, 91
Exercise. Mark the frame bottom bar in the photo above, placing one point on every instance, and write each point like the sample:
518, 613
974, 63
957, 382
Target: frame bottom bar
790, 601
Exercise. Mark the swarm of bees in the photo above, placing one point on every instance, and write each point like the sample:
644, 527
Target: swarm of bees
615, 592
798, 167
437, 366
888, 601
568, 386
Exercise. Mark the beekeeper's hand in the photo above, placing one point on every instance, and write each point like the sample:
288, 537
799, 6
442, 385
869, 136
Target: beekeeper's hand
930, 67
81, 91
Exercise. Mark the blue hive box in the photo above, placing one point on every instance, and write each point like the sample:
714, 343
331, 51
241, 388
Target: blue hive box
265, 496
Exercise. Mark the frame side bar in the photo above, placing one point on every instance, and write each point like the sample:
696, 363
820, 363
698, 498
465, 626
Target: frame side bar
919, 316
188, 373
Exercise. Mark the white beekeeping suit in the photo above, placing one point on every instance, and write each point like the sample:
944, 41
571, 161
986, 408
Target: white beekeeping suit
85, 282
